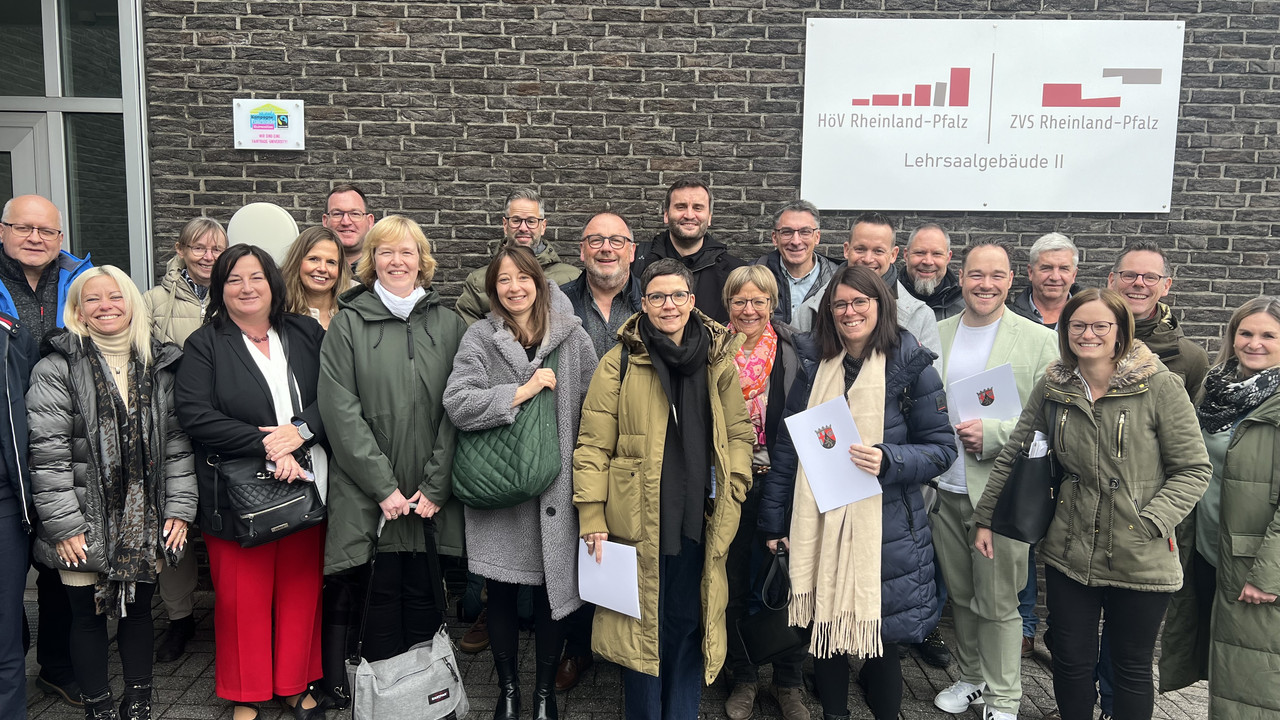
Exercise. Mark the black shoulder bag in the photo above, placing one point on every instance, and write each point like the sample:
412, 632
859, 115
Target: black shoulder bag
767, 636
1029, 496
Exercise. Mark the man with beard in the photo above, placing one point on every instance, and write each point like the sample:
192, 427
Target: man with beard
801, 272
346, 212
929, 278
523, 223
687, 215
1052, 272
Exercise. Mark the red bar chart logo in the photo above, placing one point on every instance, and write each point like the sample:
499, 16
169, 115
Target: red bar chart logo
926, 94
1072, 94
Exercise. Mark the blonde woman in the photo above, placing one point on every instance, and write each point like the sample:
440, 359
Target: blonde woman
111, 476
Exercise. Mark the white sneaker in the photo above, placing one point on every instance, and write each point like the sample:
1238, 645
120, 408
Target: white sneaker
957, 698
988, 713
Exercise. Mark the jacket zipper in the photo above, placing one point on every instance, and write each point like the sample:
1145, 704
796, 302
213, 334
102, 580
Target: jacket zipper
1124, 415
13, 436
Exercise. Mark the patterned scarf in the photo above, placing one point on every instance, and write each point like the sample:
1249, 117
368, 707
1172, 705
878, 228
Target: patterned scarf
131, 516
754, 369
1227, 398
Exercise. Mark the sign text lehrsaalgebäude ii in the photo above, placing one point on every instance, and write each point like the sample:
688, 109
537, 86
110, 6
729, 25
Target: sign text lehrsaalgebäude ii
1054, 115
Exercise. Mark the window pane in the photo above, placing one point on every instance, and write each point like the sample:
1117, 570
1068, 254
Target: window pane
22, 49
6, 174
99, 203
90, 33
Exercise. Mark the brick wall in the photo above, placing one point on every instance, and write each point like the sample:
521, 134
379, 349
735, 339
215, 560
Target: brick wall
440, 108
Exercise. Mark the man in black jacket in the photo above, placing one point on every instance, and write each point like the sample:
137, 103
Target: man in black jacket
687, 215
929, 277
19, 353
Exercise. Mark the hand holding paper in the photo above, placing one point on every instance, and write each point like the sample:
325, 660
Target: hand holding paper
612, 583
820, 435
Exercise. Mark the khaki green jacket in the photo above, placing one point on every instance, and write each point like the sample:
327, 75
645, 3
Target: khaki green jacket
1243, 644
473, 304
1135, 466
175, 310
617, 472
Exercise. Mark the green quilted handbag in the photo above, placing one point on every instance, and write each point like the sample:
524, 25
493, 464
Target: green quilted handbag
507, 465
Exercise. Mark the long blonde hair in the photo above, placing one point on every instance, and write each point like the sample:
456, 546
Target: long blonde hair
139, 318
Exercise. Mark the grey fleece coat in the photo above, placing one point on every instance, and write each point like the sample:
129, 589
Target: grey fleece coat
67, 450
536, 541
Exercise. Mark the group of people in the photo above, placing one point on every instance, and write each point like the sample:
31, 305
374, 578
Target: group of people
670, 367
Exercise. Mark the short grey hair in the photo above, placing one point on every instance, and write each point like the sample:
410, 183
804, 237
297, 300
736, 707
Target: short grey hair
524, 194
1051, 242
803, 206
946, 236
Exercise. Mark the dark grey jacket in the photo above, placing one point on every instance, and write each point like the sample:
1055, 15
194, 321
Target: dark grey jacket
67, 451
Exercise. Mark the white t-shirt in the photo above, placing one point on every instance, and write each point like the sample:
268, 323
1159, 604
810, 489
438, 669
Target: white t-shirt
970, 352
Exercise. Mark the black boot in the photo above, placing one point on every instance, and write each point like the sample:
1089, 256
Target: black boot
100, 708
545, 690
508, 688
136, 703
175, 639
333, 661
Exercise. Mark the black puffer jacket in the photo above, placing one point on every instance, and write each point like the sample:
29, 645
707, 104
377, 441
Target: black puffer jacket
710, 266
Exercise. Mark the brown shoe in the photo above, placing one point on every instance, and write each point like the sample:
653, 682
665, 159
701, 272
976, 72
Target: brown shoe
477, 636
741, 703
1028, 645
791, 700
571, 669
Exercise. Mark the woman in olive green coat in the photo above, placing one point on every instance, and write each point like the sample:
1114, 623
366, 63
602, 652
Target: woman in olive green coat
383, 368
1224, 625
1134, 466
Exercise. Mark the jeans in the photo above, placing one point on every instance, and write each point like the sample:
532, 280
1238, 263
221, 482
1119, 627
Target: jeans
13, 578
134, 636
677, 691
1132, 618
1027, 598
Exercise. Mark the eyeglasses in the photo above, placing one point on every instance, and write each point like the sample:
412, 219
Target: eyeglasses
201, 251
1100, 329
616, 242
861, 305
25, 230
1130, 277
678, 298
526, 221
759, 303
355, 215
787, 233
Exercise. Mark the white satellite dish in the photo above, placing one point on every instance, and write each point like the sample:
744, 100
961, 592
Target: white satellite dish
266, 225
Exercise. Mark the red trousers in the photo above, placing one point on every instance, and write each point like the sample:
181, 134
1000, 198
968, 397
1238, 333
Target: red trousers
266, 615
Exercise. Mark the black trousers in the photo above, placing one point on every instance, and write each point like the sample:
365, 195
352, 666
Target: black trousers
881, 677
134, 637
53, 641
504, 622
403, 607
13, 577
1133, 619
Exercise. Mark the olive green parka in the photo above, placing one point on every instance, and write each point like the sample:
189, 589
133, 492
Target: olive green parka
1135, 465
381, 386
617, 473
1243, 659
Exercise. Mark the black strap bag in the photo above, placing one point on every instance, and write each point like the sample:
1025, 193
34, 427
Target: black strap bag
767, 636
1029, 497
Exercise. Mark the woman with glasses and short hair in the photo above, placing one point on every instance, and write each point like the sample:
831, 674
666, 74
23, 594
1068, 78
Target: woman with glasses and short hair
1134, 464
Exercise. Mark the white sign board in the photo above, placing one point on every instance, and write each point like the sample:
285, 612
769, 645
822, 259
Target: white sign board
1038, 115
269, 124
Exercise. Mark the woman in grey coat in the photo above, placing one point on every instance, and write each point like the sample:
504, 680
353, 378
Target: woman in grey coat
111, 478
499, 367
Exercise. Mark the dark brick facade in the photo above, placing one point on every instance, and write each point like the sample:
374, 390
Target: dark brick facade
440, 108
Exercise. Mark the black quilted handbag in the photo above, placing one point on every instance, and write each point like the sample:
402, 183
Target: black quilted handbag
507, 465
263, 508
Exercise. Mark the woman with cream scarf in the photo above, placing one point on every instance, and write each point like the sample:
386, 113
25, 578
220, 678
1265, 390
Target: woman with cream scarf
861, 601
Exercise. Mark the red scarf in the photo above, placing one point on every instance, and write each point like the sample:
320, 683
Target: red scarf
754, 369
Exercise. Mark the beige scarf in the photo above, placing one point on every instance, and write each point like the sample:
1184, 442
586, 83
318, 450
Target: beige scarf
835, 556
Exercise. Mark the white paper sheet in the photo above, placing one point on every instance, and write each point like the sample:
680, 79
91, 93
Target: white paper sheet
822, 436
614, 582
989, 394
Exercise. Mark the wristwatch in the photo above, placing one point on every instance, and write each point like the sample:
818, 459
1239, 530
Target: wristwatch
303, 430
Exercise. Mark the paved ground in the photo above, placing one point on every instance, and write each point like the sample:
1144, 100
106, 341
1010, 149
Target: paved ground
184, 689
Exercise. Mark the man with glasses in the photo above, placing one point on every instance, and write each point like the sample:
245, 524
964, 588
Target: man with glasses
523, 223
35, 273
929, 277
801, 272
346, 212
687, 215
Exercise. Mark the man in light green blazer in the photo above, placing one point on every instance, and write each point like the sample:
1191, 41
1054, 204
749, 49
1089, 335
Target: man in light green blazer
984, 593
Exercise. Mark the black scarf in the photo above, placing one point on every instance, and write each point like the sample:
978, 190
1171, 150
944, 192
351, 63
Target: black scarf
1227, 398
129, 508
686, 459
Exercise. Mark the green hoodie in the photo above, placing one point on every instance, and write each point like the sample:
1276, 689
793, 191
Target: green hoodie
381, 386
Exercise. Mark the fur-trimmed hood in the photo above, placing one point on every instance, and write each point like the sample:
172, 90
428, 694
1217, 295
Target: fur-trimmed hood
1138, 365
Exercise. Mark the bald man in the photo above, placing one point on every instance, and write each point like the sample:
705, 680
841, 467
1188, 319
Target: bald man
35, 271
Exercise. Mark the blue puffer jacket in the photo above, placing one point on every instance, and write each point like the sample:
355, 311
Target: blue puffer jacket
918, 445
